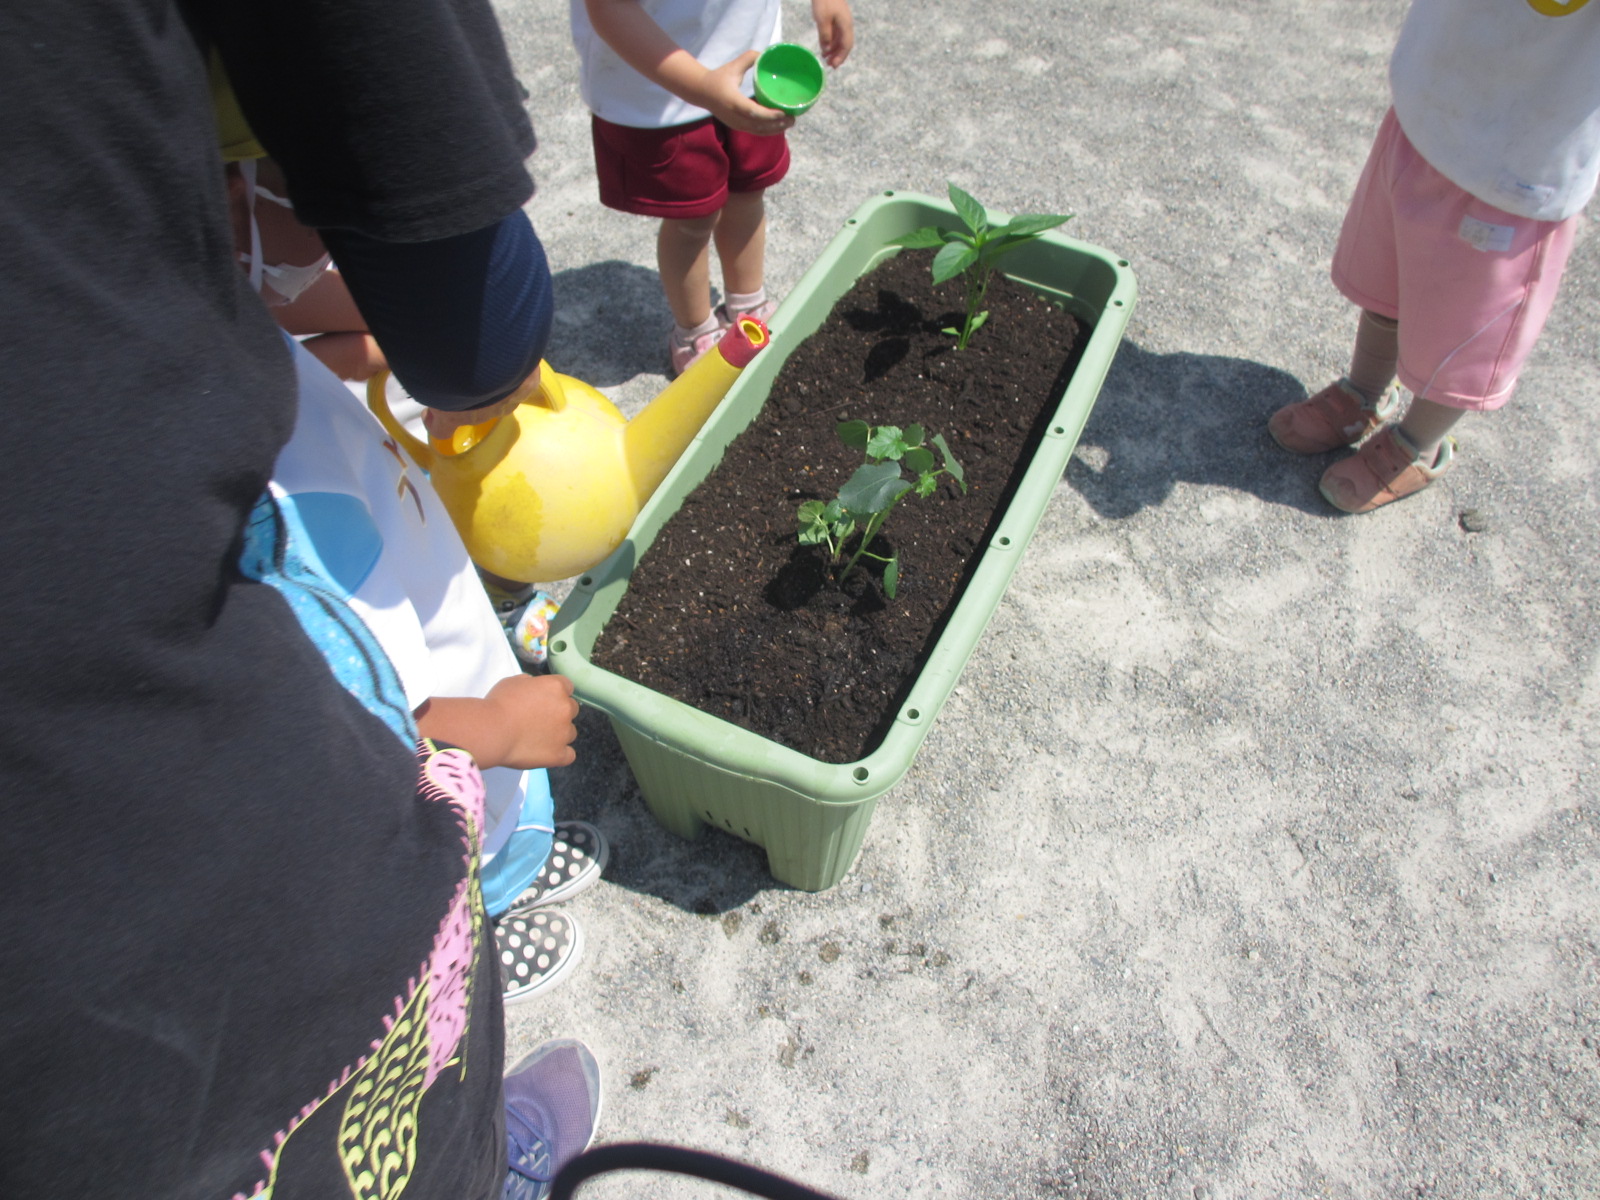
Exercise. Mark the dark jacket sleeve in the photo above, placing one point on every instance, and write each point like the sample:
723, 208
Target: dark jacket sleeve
398, 119
400, 130
462, 320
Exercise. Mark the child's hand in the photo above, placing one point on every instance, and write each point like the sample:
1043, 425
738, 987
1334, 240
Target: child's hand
632, 32
540, 710
722, 98
836, 30
441, 423
525, 721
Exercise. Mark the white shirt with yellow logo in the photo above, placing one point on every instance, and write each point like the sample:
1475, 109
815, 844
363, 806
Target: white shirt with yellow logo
1502, 97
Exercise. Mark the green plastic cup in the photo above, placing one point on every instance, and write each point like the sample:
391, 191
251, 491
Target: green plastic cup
788, 78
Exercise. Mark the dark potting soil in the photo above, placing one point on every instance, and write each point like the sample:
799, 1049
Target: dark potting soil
727, 612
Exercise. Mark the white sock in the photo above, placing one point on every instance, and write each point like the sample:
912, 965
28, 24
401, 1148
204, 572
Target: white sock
742, 302
685, 336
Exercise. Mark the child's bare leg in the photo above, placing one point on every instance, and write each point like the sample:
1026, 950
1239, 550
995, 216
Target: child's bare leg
683, 257
1425, 425
1376, 352
741, 238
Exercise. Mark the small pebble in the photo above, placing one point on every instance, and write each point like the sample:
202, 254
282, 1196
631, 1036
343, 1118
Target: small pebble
1473, 521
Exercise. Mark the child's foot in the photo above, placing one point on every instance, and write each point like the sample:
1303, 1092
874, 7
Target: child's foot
1385, 469
1336, 416
552, 1109
685, 347
508, 605
577, 857
536, 951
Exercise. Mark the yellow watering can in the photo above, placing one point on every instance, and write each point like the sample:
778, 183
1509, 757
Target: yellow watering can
550, 489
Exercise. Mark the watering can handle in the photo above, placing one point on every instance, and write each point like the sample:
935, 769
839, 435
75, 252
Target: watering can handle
549, 393
378, 402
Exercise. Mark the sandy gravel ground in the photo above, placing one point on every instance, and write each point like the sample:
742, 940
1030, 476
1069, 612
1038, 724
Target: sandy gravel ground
1255, 854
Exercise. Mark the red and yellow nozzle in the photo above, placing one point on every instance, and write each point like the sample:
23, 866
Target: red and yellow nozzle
743, 341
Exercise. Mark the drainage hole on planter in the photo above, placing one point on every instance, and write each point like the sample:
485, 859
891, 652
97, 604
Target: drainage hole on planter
585, 581
1059, 429
1116, 304
559, 647
1002, 541
1122, 262
860, 774
913, 714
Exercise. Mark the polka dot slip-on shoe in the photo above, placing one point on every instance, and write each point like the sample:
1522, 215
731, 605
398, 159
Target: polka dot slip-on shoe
577, 856
536, 951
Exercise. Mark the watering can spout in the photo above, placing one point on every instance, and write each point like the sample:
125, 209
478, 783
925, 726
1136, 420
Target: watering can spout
658, 435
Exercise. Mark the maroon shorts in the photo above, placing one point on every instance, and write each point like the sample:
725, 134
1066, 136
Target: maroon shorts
684, 170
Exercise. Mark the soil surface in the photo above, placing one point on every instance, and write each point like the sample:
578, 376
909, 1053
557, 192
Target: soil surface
729, 613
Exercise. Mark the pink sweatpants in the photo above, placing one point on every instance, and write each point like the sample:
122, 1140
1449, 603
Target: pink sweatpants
1470, 284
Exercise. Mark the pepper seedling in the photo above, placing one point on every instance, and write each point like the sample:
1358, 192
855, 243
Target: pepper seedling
865, 501
972, 250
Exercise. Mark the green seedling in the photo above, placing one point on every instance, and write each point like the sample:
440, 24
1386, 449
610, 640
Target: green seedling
971, 251
864, 503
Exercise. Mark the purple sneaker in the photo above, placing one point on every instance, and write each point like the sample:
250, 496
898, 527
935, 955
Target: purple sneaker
552, 1107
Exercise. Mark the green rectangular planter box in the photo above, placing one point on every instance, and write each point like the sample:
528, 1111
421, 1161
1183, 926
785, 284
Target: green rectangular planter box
694, 769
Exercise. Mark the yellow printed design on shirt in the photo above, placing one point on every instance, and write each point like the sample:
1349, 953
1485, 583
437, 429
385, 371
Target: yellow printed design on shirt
1556, 8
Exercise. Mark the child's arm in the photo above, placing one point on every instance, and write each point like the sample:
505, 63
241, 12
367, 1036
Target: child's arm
352, 356
645, 46
836, 30
525, 721
324, 307
341, 341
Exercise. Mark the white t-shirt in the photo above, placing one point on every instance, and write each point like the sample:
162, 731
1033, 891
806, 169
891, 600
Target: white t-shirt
714, 31
1502, 97
383, 534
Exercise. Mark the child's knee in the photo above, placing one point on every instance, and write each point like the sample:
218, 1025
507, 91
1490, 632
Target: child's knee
690, 230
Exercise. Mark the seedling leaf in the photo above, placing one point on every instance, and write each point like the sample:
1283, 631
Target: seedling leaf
873, 488
891, 575
973, 213
812, 528
952, 261
925, 238
951, 466
885, 442
1030, 225
853, 434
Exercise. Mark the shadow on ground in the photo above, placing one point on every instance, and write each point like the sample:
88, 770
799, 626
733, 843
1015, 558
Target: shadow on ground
611, 323
1194, 418
713, 874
